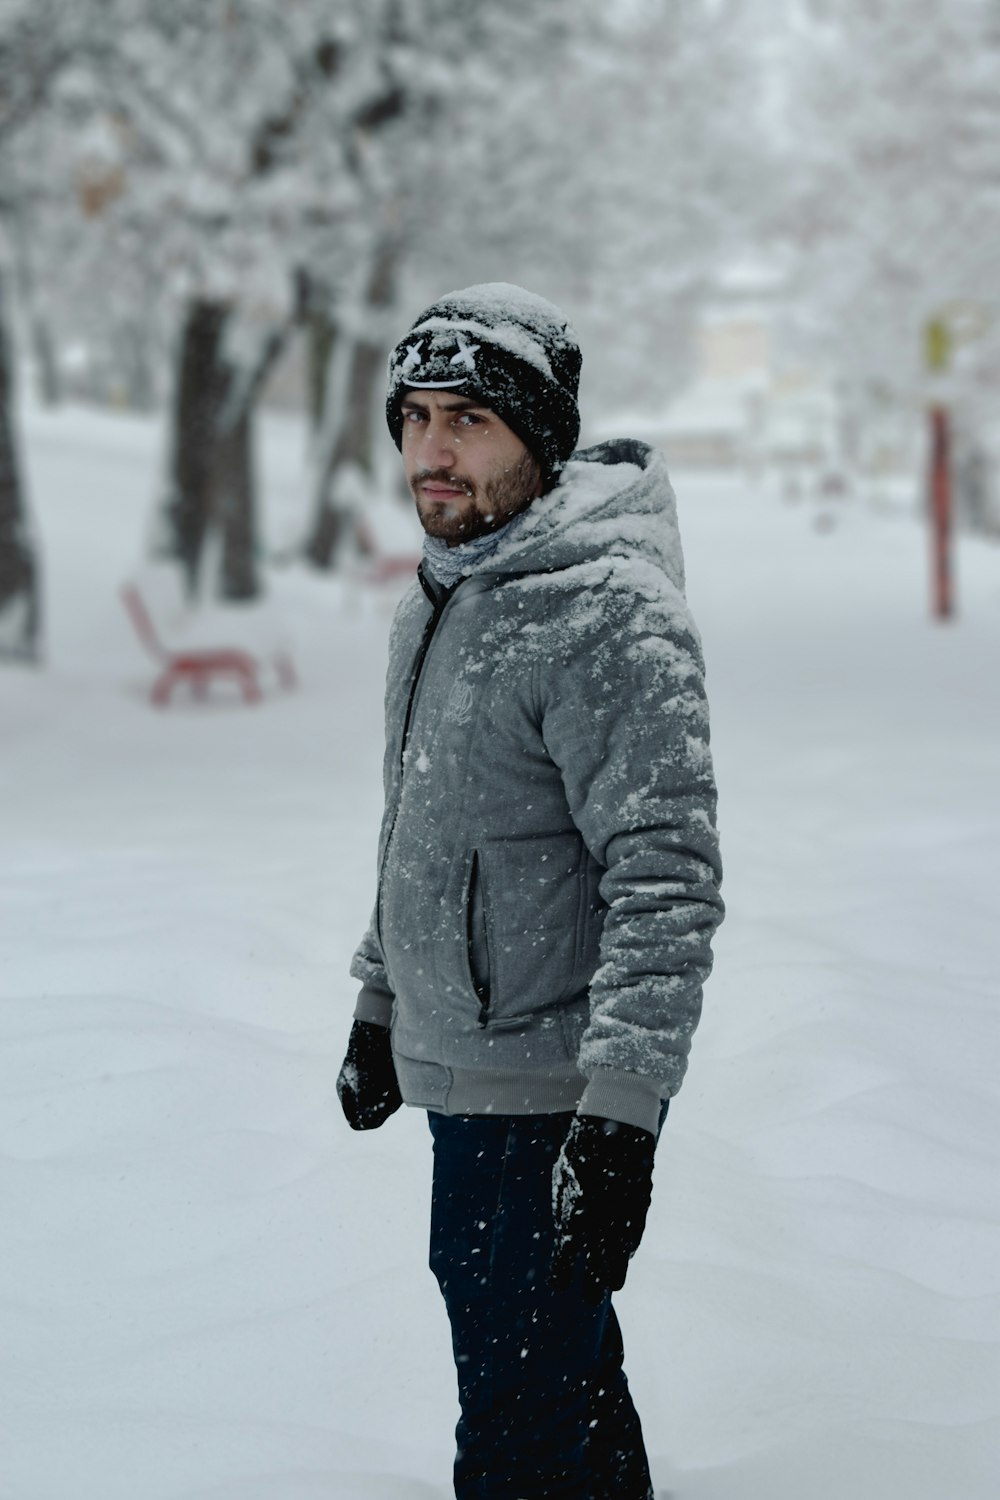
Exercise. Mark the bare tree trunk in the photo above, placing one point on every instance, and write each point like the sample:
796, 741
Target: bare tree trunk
36, 325
49, 383
211, 486
349, 433
321, 332
197, 397
235, 508
20, 608
133, 355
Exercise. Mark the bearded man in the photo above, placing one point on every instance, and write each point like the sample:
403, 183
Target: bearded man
548, 881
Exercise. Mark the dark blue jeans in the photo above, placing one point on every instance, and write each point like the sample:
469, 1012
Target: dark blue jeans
546, 1409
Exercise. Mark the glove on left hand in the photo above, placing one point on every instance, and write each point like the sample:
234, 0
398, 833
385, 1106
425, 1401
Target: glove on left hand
602, 1184
366, 1084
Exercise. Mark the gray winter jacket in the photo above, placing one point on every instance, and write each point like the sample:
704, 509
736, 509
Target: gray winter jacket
548, 863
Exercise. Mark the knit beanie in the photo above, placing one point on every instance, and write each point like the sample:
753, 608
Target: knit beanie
503, 346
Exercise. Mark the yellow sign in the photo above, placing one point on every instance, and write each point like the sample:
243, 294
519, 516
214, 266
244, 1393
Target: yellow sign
937, 345
957, 323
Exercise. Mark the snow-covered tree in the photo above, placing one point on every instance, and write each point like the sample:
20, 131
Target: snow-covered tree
891, 194
236, 174
36, 41
267, 155
20, 602
447, 151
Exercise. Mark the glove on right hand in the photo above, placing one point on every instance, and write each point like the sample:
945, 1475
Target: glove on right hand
602, 1184
366, 1084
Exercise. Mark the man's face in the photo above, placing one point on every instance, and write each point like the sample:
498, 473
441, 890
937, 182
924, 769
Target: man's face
468, 472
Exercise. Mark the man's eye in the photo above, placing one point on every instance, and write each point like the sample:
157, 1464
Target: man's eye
468, 419
413, 416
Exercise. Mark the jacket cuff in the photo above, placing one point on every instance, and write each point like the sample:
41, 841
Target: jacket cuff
613, 1094
374, 1006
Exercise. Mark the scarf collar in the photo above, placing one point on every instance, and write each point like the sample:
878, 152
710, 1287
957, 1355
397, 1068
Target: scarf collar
449, 564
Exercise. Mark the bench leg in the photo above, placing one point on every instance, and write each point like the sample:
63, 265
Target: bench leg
163, 687
286, 672
250, 685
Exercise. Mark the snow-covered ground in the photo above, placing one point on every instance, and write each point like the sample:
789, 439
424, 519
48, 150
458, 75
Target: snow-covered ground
212, 1290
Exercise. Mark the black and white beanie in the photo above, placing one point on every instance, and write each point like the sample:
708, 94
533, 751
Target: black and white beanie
506, 347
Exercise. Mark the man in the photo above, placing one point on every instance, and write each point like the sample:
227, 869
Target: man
548, 881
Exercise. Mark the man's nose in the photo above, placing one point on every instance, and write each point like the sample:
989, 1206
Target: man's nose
438, 445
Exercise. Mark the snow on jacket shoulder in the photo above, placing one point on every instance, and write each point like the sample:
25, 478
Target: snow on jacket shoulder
549, 871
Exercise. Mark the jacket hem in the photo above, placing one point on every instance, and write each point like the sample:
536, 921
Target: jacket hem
490, 1091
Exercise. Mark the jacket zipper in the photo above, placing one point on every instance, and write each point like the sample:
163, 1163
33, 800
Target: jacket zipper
438, 607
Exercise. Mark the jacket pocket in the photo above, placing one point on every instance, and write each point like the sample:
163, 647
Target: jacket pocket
532, 891
477, 940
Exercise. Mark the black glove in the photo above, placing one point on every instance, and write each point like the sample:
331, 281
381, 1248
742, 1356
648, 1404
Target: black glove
366, 1084
602, 1183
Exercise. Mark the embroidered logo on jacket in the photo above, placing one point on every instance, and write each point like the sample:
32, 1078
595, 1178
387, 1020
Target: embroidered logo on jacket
458, 709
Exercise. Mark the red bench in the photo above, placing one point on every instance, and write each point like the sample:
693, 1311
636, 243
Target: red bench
199, 666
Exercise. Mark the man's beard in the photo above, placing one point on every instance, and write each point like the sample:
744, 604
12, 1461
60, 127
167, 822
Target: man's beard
491, 506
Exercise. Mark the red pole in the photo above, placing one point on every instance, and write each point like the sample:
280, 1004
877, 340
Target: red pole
940, 507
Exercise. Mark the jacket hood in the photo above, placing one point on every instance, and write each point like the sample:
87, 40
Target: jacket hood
613, 503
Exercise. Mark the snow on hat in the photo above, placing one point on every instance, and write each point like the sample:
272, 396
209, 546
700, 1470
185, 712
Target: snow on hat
507, 347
